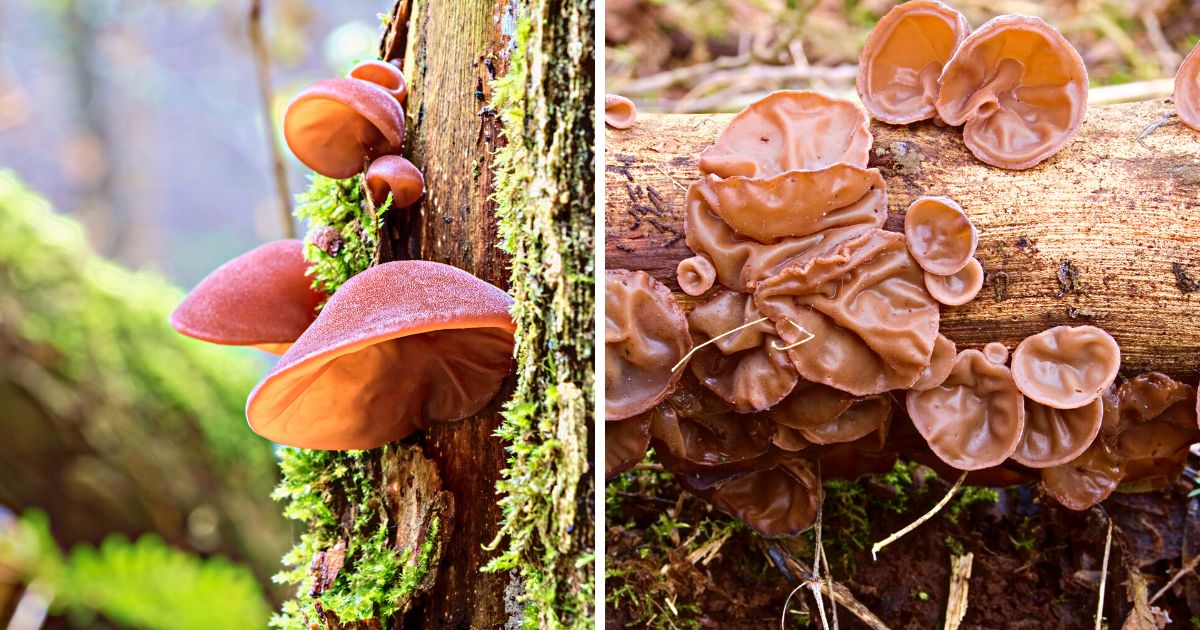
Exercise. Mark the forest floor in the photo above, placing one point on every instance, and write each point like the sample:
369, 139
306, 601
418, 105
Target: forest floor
674, 562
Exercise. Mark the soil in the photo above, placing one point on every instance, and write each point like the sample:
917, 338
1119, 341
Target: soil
1036, 564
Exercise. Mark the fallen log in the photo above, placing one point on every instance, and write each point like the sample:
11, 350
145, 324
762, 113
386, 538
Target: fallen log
1106, 232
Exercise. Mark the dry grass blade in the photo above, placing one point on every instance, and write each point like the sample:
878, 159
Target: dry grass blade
877, 547
960, 583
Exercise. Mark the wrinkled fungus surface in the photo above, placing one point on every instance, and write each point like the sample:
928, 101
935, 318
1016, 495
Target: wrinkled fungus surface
645, 335
1187, 90
1057, 436
790, 130
1020, 89
1066, 367
959, 287
940, 236
262, 298
696, 275
1157, 424
903, 58
975, 418
336, 126
619, 112
944, 352
776, 500
625, 443
400, 347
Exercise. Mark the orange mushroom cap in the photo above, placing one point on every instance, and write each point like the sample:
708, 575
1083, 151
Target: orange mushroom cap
383, 74
400, 347
1187, 89
957, 288
619, 112
336, 126
1066, 367
940, 236
263, 298
1020, 88
396, 175
790, 130
645, 335
903, 58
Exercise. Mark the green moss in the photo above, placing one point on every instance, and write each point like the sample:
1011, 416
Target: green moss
343, 229
968, 496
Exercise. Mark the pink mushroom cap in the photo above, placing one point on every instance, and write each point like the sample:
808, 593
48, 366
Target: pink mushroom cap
336, 126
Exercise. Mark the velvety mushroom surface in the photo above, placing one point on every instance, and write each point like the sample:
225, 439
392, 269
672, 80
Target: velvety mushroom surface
1057, 436
1187, 90
959, 287
645, 335
399, 347
903, 59
940, 236
1019, 87
383, 74
790, 130
974, 419
336, 126
619, 112
395, 175
263, 298
1066, 367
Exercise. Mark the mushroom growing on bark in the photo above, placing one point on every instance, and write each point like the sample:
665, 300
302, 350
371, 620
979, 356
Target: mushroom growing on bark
903, 59
1057, 436
619, 112
395, 175
1019, 87
383, 74
940, 363
1187, 90
1157, 424
399, 347
1066, 367
645, 336
336, 126
263, 298
940, 236
957, 288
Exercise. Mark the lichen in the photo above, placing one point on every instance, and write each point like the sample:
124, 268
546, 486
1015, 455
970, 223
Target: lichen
544, 193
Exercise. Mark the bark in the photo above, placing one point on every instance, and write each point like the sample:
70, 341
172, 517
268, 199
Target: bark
1103, 233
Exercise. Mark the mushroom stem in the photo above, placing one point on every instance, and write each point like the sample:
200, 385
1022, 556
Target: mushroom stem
877, 547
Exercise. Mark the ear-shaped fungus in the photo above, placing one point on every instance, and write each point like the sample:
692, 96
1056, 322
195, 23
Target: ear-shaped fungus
1157, 424
778, 499
619, 112
1020, 88
940, 236
790, 130
1057, 436
863, 306
400, 347
903, 58
263, 298
974, 419
625, 443
1066, 367
694, 431
996, 352
645, 335
957, 288
940, 363
383, 74
336, 126
396, 175
696, 275
747, 369
1187, 90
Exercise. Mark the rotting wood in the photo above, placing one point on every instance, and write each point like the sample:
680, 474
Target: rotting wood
960, 584
1127, 218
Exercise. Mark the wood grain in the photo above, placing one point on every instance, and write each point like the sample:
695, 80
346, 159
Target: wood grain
1106, 232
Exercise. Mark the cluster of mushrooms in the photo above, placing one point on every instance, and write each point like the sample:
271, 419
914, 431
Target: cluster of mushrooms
399, 347
813, 349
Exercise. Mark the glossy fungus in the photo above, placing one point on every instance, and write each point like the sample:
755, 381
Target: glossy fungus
619, 112
939, 366
957, 288
395, 175
863, 308
973, 419
336, 126
383, 74
790, 130
1066, 367
1057, 436
996, 352
940, 236
864, 417
694, 431
645, 335
625, 443
1157, 424
1019, 87
263, 298
903, 58
778, 499
696, 275
1187, 90
399, 347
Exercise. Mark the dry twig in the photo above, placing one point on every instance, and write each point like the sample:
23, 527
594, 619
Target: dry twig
877, 547
262, 75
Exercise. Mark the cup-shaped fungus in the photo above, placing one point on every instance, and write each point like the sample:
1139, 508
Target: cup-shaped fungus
263, 298
645, 335
336, 126
399, 347
625, 443
862, 418
619, 112
778, 499
699, 432
1066, 367
903, 58
996, 352
796, 203
1019, 87
696, 275
957, 288
940, 236
855, 317
1187, 90
790, 130
746, 369
940, 363
395, 175
973, 419
1056, 436
1157, 424
383, 74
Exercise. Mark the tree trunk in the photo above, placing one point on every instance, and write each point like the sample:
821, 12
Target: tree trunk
1103, 233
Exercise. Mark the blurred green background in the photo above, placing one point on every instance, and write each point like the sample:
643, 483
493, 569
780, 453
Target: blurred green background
133, 161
